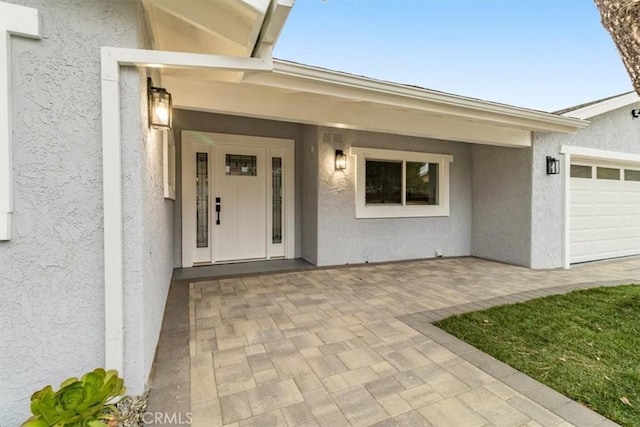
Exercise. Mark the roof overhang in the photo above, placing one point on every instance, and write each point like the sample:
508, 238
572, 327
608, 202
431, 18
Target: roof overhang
604, 106
310, 95
303, 94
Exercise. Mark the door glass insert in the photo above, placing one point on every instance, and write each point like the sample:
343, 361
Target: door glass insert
422, 183
276, 183
608, 173
240, 165
580, 171
202, 200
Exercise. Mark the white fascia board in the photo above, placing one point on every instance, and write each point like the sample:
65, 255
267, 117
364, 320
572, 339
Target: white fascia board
603, 107
111, 61
277, 15
23, 22
593, 153
519, 117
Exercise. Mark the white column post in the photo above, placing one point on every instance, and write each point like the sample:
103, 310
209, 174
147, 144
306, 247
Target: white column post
14, 21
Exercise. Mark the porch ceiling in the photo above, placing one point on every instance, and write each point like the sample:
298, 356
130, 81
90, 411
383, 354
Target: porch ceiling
240, 28
302, 94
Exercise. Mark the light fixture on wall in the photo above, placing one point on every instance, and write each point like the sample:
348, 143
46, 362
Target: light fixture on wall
159, 102
553, 166
635, 114
341, 160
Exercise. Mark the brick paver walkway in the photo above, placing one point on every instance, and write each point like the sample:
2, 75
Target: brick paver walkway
328, 347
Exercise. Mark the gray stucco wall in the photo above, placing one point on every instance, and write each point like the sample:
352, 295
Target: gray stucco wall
148, 238
343, 239
613, 131
51, 272
501, 204
220, 123
307, 156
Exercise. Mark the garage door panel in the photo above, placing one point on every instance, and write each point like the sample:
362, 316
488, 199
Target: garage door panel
604, 218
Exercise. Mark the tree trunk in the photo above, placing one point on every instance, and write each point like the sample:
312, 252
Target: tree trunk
621, 18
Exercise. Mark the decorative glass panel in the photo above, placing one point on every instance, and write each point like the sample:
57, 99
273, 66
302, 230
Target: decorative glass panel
238, 164
579, 171
276, 182
422, 183
631, 175
383, 182
202, 200
608, 173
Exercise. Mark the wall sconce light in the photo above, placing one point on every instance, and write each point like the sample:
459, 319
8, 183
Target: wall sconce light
159, 101
341, 160
553, 166
635, 114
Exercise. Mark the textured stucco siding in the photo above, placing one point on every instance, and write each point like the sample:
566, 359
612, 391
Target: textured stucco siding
501, 227
344, 239
308, 159
184, 120
51, 272
613, 131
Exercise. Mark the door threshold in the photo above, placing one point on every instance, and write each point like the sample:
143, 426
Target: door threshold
240, 268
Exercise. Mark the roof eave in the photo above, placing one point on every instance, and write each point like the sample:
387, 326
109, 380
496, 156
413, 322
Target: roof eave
604, 106
537, 120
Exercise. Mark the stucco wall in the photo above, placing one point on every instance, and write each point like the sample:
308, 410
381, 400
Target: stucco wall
51, 272
220, 123
501, 204
307, 156
148, 238
344, 239
613, 131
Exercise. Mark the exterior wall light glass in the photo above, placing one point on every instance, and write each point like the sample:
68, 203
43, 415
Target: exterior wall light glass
159, 101
553, 166
341, 160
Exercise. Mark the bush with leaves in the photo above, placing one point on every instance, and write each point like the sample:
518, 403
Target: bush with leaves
87, 402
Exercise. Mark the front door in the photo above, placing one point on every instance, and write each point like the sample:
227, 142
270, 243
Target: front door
237, 198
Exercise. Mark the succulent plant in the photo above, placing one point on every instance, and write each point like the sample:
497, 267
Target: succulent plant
88, 402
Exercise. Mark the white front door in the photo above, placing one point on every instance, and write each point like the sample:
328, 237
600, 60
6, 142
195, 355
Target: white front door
237, 198
240, 205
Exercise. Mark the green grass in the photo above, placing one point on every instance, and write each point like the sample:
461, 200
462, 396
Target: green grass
585, 344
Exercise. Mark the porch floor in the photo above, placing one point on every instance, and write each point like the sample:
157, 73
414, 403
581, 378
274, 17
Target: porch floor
354, 346
218, 271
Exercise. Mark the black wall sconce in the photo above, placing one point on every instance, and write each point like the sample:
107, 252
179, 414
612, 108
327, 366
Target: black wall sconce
159, 103
341, 160
553, 166
635, 114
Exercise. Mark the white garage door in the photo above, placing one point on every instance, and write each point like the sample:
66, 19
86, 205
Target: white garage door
605, 211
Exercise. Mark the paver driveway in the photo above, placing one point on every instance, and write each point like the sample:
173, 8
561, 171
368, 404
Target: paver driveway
325, 347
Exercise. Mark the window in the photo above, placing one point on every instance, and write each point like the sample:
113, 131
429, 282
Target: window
608, 173
631, 175
580, 171
401, 183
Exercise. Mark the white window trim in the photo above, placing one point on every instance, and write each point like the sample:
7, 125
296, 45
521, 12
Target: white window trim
401, 211
169, 165
14, 21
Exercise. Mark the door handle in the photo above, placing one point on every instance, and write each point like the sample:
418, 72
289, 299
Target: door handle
218, 208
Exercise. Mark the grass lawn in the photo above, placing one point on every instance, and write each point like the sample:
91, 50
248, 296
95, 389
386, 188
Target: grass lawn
585, 344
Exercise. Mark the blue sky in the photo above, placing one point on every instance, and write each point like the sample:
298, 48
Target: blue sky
544, 54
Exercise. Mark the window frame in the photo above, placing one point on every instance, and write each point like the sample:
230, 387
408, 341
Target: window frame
403, 210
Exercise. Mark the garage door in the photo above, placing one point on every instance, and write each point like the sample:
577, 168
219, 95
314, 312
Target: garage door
605, 211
